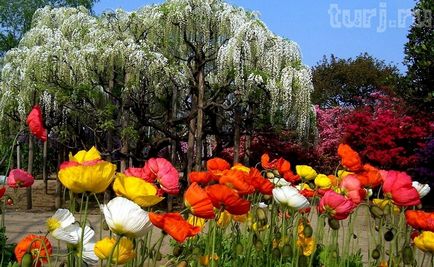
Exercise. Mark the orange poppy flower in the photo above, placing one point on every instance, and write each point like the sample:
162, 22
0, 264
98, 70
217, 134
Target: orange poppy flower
369, 176
236, 180
217, 164
350, 158
216, 167
200, 177
224, 197
420, 220
264, 186
281, 165
40, 248
198, 202
174, 225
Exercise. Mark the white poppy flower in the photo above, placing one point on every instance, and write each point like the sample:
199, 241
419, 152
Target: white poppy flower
422, 189
125, 217
72, 235
61, 219
290, 196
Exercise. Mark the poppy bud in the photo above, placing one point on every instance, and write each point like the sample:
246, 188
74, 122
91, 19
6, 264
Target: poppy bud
158, 256
375, 254
9, 201
287, 251
276, 173
376, 212
177, 251
278, 235
259, 245
308, 231
27, 260
269, 175
182, 264
407, 255
239, 249
388, 236
261, 214
333, 223
276, 253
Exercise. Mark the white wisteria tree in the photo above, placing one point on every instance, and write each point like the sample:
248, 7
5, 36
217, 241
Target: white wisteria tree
181, 68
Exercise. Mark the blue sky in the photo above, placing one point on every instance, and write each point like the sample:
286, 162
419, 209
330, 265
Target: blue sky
324, 27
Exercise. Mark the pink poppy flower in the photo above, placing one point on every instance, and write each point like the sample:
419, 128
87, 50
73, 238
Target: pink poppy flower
19, 178
36, 125
353, 189
398, 187
139, 173
164, 173
336, 206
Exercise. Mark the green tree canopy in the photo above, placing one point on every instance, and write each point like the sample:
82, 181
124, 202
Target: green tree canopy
344, 82
419, 51
16, 17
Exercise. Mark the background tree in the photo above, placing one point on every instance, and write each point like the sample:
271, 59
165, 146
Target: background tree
16, 18
165, 74
419, 54
346, 82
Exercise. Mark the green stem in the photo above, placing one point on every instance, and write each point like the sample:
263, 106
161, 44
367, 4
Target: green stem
109, 263
83, 226
160, 242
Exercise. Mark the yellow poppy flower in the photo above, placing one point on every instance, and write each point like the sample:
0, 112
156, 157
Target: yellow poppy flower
204, 260
241, 167
306, 172
224, 219
385, 203
137, 190
323, 182
86, 172
343, 173
306, 244
425, 241
196, 221
123, 252
85, 156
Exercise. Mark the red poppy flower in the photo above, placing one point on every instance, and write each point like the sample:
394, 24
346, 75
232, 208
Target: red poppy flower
350, 158
36, 125
335, 205
174, 225
161, 170
200, 177
236, 180
197, 200
41, 246
224, 197
264, 186
398, 187
2, 191
281, 165
420, 220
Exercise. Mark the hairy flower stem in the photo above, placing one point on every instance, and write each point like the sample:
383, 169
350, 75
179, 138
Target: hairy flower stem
109, 263
83, 226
